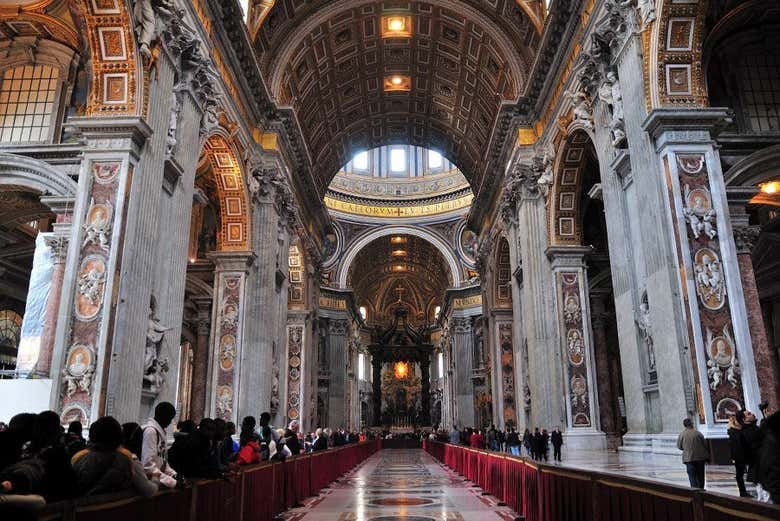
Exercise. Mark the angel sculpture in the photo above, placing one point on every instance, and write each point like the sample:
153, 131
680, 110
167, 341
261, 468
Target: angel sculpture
581, 107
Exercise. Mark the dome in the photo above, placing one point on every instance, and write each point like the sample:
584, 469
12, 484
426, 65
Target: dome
399, 181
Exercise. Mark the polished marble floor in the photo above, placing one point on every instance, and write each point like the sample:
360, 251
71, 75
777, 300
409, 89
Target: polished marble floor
656, 467
399, 484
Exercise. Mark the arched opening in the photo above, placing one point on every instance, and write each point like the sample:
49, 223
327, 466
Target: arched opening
219, 223
578, 222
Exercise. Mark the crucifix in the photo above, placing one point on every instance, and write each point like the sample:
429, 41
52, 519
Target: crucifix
400, 290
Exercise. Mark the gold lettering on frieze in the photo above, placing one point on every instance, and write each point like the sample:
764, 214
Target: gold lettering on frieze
467, 302
333, 303
400, 211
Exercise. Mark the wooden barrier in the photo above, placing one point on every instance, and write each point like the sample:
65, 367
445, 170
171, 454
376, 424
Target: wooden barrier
254, 493
542, 492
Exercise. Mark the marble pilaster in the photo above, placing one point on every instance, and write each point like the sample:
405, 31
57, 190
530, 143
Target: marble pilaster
579, 371
228, 343
462, 333
338, 329
106, 283
715, 314
200, 359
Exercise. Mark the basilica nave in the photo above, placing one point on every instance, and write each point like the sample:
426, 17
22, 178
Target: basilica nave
394, 220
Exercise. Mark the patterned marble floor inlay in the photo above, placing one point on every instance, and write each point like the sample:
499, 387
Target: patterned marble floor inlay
401, 484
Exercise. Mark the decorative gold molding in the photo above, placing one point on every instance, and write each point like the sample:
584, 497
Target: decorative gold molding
400, 212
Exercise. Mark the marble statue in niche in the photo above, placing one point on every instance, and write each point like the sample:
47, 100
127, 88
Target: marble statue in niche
645, 329
79, 369
721, 358
699, 213
646, 9
170, 139
710, 283
274, 405
145, 14
97, 226
612, 95
155, 367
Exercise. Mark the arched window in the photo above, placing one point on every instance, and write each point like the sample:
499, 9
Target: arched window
363, 312
440, 364
28, 100
436, 312
361, 366
10, 334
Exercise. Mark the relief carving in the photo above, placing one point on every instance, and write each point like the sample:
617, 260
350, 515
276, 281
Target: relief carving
699, 213
710, 284
79, 369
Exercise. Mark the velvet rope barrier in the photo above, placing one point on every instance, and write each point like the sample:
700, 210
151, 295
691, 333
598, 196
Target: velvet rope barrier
544, 492
254, 493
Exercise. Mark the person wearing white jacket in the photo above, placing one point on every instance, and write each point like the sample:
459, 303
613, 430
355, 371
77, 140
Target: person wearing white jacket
154, 449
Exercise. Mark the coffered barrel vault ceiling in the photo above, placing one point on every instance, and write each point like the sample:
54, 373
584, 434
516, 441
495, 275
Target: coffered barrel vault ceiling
329, 60
404, 261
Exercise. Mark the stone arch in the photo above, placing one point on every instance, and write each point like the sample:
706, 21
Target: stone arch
235, 233
756, 168
25, 172
674, 73
565, 212
384, 231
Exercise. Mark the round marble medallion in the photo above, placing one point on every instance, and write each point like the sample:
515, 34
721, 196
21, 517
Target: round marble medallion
401, 502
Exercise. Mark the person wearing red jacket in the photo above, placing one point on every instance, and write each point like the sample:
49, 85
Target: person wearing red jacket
249, 454
477, 440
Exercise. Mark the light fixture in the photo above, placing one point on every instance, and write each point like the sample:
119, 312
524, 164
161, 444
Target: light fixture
399, 267
396, 26
770, 187
397, 83
399, 253
398, 239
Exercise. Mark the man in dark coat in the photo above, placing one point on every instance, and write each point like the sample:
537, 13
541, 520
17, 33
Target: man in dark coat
536, 445
556, 438
545, 449
753, 437
768, 473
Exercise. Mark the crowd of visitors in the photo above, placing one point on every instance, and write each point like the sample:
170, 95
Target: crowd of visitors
754, 448
41, 463
534, 444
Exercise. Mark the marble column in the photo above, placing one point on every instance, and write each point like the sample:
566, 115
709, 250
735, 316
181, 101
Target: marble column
337, 352
200, 359
425, 392
376, 383
606, 373
573, 313
463, 362
228, 346
266, 281
58, 242
537, 302
767, 364
58, 245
